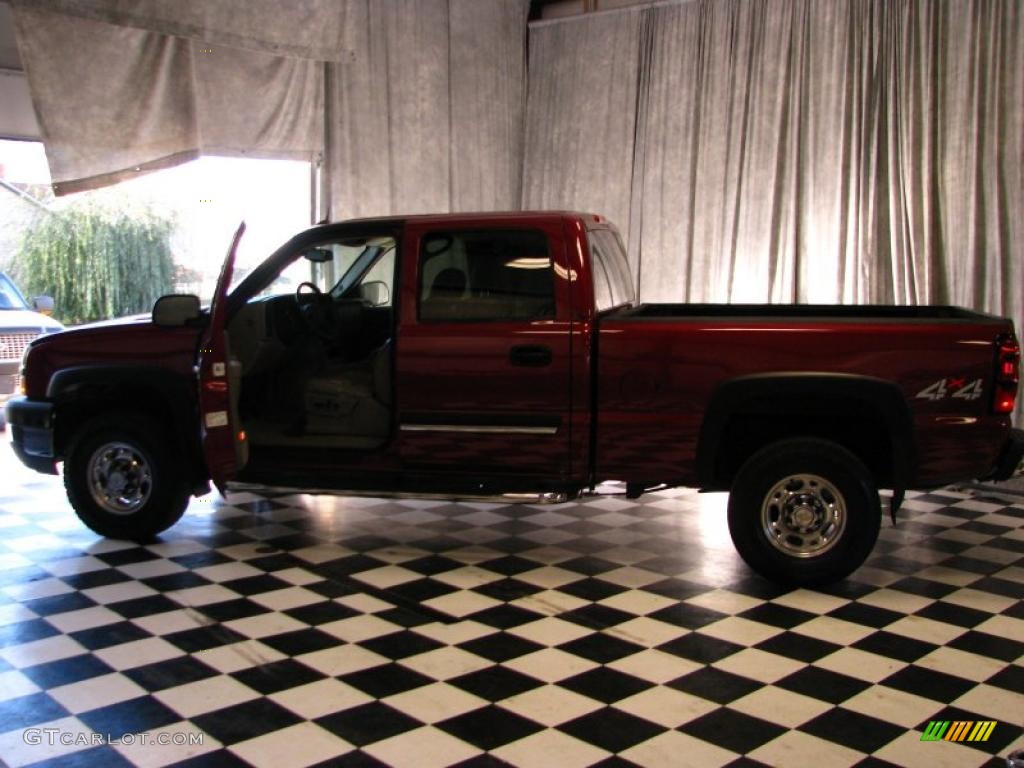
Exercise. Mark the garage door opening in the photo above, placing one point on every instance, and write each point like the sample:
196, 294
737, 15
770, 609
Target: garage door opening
112, 252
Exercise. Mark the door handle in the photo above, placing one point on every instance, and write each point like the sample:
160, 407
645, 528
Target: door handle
530, 355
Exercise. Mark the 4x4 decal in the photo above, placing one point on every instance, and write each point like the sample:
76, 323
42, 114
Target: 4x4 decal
958, 387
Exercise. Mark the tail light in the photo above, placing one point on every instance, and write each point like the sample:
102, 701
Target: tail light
1007, 374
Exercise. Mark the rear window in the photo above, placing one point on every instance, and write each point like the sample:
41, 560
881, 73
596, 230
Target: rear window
613, 286
490, 275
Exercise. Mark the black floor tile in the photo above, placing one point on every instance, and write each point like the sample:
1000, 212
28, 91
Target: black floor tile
600, 647
367, 723
170, 673
958, 615
611, 729
505, 616
823, 684
798, 647
605, 684
26, 632
204, 638
1011, 678
868, 615
245, 721
688, 616
144, 606
229, 610
715, 685
69, 601
495, 683
110, 634
777, 615
300, 641
702, 648
500, 646
134, 716
930, 684
852, 729
66, 671
399, 645
277, 676
984, 644
489, 727
591, 589
597, 616
894, 646
732, 730
26, 711
386, 680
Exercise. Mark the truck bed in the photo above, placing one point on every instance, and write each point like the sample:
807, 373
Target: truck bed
660, 365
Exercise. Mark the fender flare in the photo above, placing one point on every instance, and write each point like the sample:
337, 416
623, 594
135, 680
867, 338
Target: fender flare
177, 392
763, 394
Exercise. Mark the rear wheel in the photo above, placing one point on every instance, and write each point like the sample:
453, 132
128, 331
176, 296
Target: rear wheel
804, 512
122, 480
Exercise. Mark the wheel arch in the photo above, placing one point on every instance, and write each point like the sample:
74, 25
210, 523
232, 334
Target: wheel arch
866, 415
80, 393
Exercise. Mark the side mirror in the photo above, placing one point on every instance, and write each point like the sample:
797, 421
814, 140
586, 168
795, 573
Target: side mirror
375, 292
175, 310
42, 304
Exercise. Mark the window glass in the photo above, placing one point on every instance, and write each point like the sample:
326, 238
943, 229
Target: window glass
9, 296
609, 258
489, 275
602, 289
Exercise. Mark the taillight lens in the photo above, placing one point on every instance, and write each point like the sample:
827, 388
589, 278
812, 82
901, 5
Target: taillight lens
1007, 374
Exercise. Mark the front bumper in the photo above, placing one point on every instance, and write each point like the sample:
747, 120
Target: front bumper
31, 423
1010, 457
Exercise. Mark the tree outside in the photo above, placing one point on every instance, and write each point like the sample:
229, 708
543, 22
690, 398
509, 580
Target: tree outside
99, 256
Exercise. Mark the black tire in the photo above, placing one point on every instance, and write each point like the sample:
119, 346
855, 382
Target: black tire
130, 457
804, 512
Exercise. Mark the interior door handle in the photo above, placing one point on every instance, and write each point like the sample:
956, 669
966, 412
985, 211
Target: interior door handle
530, 355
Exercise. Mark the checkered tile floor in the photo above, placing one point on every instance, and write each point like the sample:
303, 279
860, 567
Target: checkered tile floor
294, 631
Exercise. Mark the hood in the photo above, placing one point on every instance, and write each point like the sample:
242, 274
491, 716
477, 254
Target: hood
127, 320
21, 319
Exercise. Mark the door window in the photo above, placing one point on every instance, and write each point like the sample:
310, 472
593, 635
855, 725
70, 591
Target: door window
481, 276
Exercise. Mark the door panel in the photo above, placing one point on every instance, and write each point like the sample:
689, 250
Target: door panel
484, 357
222, 448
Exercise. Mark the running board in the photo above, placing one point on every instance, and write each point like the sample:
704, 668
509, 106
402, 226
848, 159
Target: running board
505, 498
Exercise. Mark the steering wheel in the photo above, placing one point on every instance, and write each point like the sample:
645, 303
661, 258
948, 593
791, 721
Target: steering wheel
315, 309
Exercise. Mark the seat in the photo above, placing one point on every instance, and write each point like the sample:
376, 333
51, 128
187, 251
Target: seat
351, 399
446, 292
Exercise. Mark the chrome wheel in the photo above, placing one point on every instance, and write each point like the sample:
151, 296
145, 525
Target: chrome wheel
803, 515
120, 478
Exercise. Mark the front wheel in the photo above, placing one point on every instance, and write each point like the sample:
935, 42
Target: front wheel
804, 512
122, 480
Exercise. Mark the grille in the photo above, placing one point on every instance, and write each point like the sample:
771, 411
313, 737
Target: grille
12, 345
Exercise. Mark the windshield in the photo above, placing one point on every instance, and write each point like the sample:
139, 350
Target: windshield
10, 297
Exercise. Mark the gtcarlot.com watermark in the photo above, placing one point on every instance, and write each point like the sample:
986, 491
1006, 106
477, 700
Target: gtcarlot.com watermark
54, 736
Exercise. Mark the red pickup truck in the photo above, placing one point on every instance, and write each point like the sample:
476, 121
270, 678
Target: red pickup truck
489, 354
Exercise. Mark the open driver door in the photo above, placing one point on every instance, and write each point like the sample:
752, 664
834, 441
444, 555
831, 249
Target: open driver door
224, 445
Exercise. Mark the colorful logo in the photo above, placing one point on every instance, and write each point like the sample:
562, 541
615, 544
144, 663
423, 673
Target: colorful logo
958, 730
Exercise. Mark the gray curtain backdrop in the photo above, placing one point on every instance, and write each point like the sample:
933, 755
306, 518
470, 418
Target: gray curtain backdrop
428, 116
793, 150
581, 115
